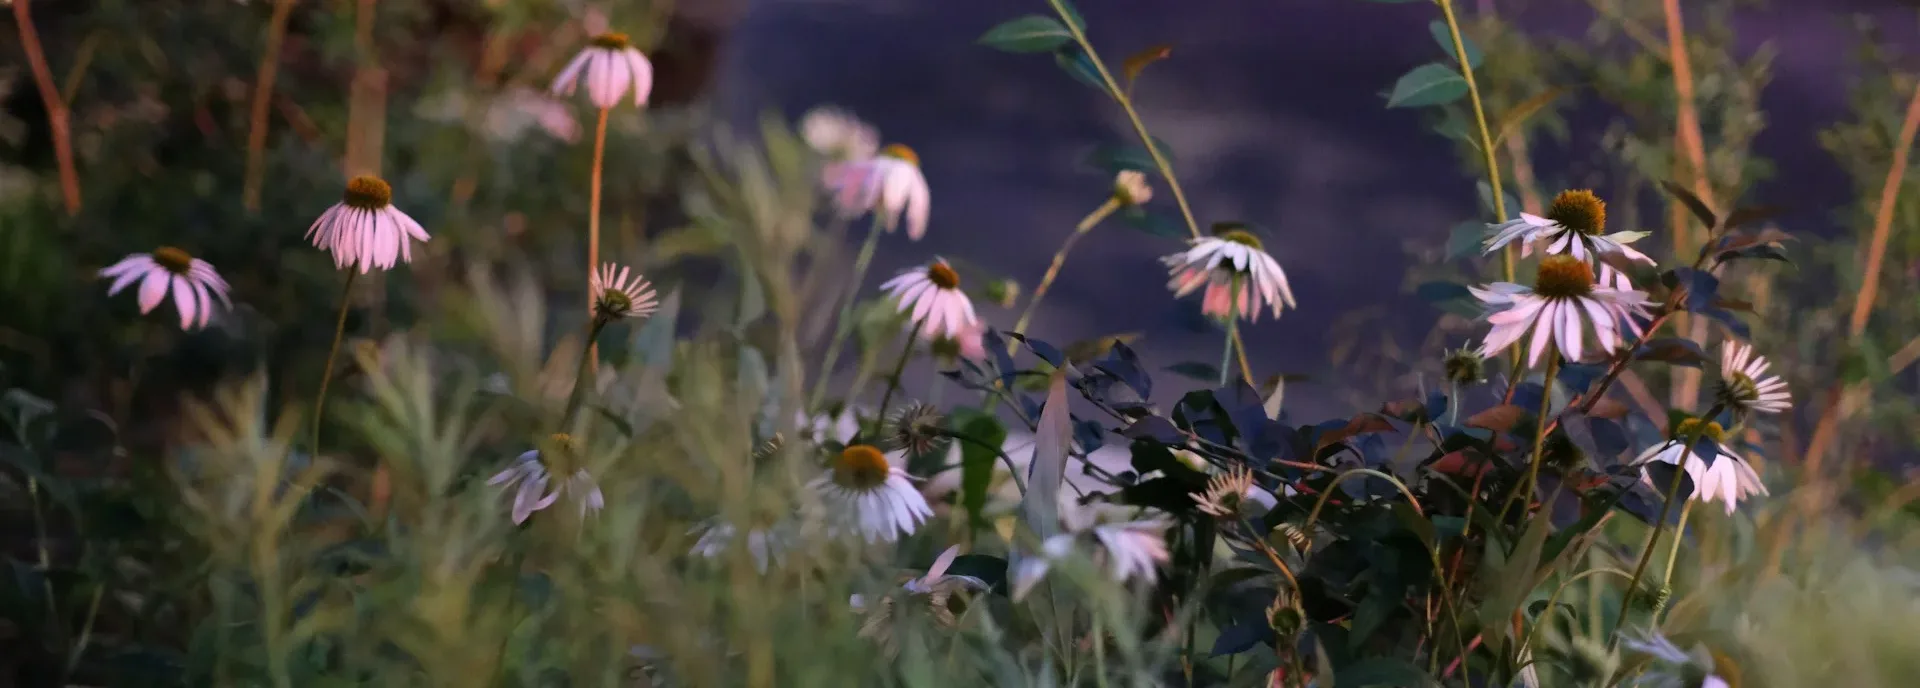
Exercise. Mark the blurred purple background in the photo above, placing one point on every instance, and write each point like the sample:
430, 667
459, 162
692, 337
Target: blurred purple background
1273, 111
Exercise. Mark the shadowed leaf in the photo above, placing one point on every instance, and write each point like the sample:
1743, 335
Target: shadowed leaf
1028, 34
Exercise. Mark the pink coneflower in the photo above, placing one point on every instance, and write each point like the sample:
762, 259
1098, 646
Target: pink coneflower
889, 185
932, 297
1228, 264
1559, 309
1573, 226
611, 68
619, 292
365, 230
193, 282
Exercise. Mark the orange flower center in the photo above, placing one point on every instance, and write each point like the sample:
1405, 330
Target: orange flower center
1563, 277
612, 40
899, 151
1580, 211
368, 192
861, 467
174, 260
943, 276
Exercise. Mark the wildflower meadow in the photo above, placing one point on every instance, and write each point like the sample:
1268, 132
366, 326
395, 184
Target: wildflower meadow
453, 343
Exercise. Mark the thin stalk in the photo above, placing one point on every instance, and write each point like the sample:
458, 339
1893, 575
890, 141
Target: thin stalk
86, 630
262, 96
59, 123
592, 354
40, 547
893, 380
1541, 428
1666, 511
1133, 116
580, 383
997, 452
844, 325
326, 376
1060, 259
1233, 328
1679, 534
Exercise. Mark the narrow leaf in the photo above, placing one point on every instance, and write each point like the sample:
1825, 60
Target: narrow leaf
1511, 120
1692, 202
1428, 84
1052, 442
976, 461
1444, 38
1029, 34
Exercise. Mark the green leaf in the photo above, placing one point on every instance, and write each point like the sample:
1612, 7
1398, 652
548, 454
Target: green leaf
1029, 34
977, 459
1508, 581
1427, 84
1375, 672
1052, 442
1517, 115
1076, 63
1466, 240
1445, 39
1073, 15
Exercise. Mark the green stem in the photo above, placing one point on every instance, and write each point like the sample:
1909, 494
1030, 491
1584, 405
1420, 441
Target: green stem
1524, 490
893, 380
1679, 535
1060, 259
1233, 331
580, 384
1140, 128
326, 375
844, 325
1666, 510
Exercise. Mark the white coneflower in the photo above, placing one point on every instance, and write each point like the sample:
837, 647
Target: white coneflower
611, 68
865, 494
768, 544
619, 292
1560, 309
1130, 188
1128, 551
529, 480
1681, 668
1573, 226
889, 184
931, 296
1745, 385
1728, 479
1240, 278
365, 230
838, 135
193, 282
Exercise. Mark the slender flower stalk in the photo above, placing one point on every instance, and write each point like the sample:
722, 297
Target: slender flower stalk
843, 325
1233, 329
1701, 429
1526, 489
1125, 100
893, 381
333, 350
611, 68
1086, 225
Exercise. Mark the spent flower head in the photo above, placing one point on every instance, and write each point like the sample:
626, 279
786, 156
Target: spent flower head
1130, 188
192, 281
916, 429
619, 292
1745, 387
